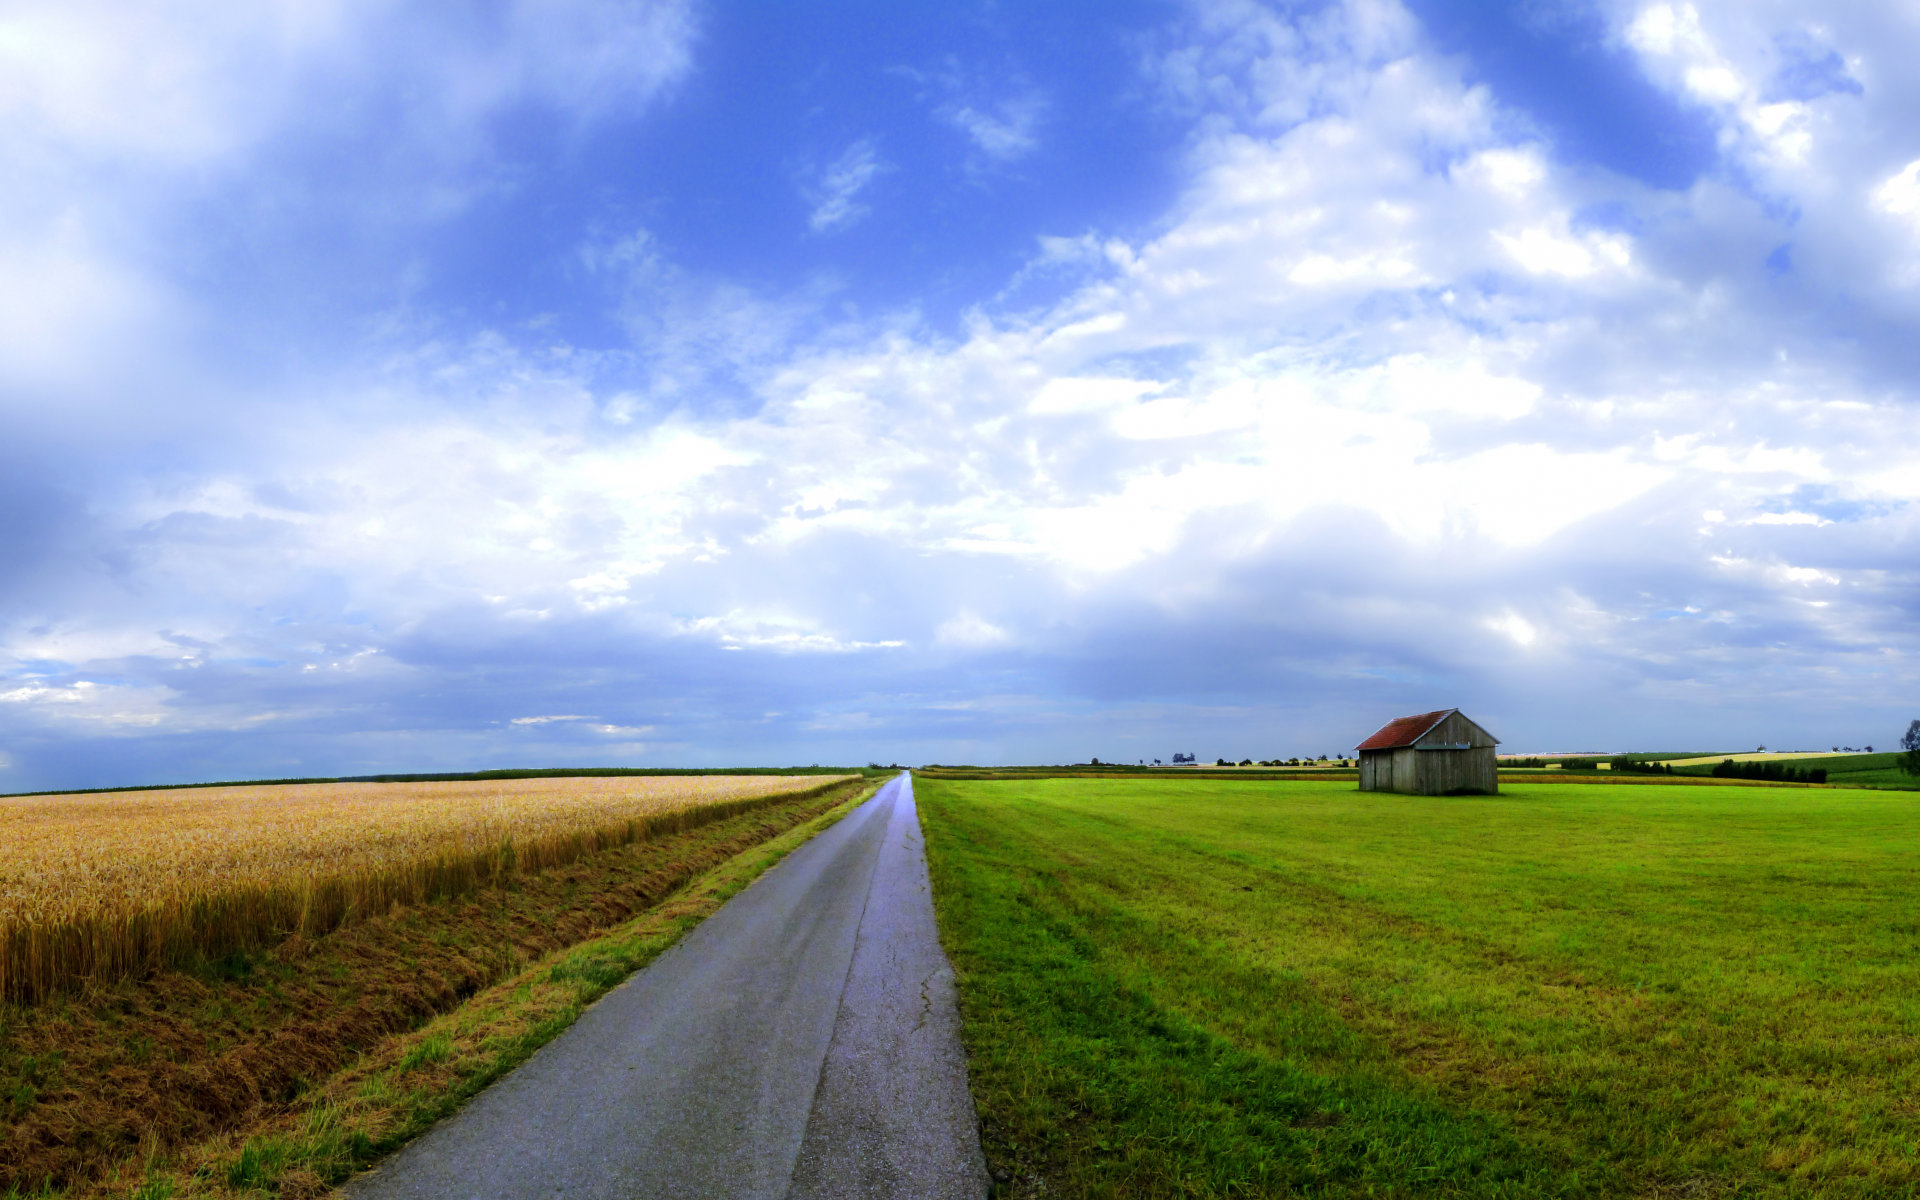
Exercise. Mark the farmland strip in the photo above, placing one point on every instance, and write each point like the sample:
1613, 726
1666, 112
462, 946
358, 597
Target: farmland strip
112, 887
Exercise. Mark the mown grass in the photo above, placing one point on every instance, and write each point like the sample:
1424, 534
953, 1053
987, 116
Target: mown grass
1182, 988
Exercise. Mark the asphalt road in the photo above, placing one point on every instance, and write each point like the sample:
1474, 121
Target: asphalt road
801, 1042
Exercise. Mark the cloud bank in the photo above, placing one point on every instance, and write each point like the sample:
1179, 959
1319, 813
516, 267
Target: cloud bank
1398, 404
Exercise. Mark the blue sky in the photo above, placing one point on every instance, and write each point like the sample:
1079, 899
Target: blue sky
413, 387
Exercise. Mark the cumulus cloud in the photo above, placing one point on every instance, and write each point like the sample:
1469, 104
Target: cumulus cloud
1900, 194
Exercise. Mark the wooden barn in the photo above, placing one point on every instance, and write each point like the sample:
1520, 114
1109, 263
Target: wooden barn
1430, 755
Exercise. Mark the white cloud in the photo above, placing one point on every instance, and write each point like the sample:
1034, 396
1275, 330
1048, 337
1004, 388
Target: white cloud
1070, 395
32, 693
94, 709
1514, 173
845, 721
834, 193
200, 82
1900, 194
968, 629
1374, 370
590, 58
775, 633
1514, 626
1341, 201
1541, 252
1002, 131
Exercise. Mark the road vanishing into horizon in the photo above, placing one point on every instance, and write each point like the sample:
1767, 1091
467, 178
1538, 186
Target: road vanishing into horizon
801, 1042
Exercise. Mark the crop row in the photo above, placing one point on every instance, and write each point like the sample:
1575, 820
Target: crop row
113, 886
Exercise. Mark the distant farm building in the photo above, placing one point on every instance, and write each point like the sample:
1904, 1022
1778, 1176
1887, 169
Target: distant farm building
1430, 755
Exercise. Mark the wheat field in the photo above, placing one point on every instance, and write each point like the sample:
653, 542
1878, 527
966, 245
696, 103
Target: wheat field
111, 885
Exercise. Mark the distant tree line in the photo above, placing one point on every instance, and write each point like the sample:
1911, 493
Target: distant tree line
1618, 763
1776, 771
1280, 762
1635, 767
1581, 764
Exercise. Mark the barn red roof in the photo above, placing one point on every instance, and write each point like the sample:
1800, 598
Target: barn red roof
1404, 731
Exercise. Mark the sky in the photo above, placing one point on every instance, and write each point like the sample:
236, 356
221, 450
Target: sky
397, 386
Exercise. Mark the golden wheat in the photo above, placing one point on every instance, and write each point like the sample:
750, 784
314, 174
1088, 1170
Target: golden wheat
115, 884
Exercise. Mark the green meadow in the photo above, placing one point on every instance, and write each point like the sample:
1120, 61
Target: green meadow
1180, 987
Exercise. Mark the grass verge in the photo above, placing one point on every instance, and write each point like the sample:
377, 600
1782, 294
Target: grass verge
1178, 989
282, 1074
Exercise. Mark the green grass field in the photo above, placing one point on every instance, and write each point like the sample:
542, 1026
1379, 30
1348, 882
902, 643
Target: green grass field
1195, 988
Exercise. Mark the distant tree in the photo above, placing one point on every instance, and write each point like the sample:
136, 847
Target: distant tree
1094, 762
1910, 742
1869, 749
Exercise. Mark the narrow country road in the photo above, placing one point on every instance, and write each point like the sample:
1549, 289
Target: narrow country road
801, 1042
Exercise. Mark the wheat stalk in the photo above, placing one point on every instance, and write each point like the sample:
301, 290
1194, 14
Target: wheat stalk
112, 885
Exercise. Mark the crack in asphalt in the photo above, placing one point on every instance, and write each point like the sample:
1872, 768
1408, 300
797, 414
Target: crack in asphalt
926, 1002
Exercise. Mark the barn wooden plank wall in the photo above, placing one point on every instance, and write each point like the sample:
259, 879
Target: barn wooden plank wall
1425, 769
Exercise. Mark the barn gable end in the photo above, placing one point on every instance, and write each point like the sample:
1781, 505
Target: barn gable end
1430, 754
